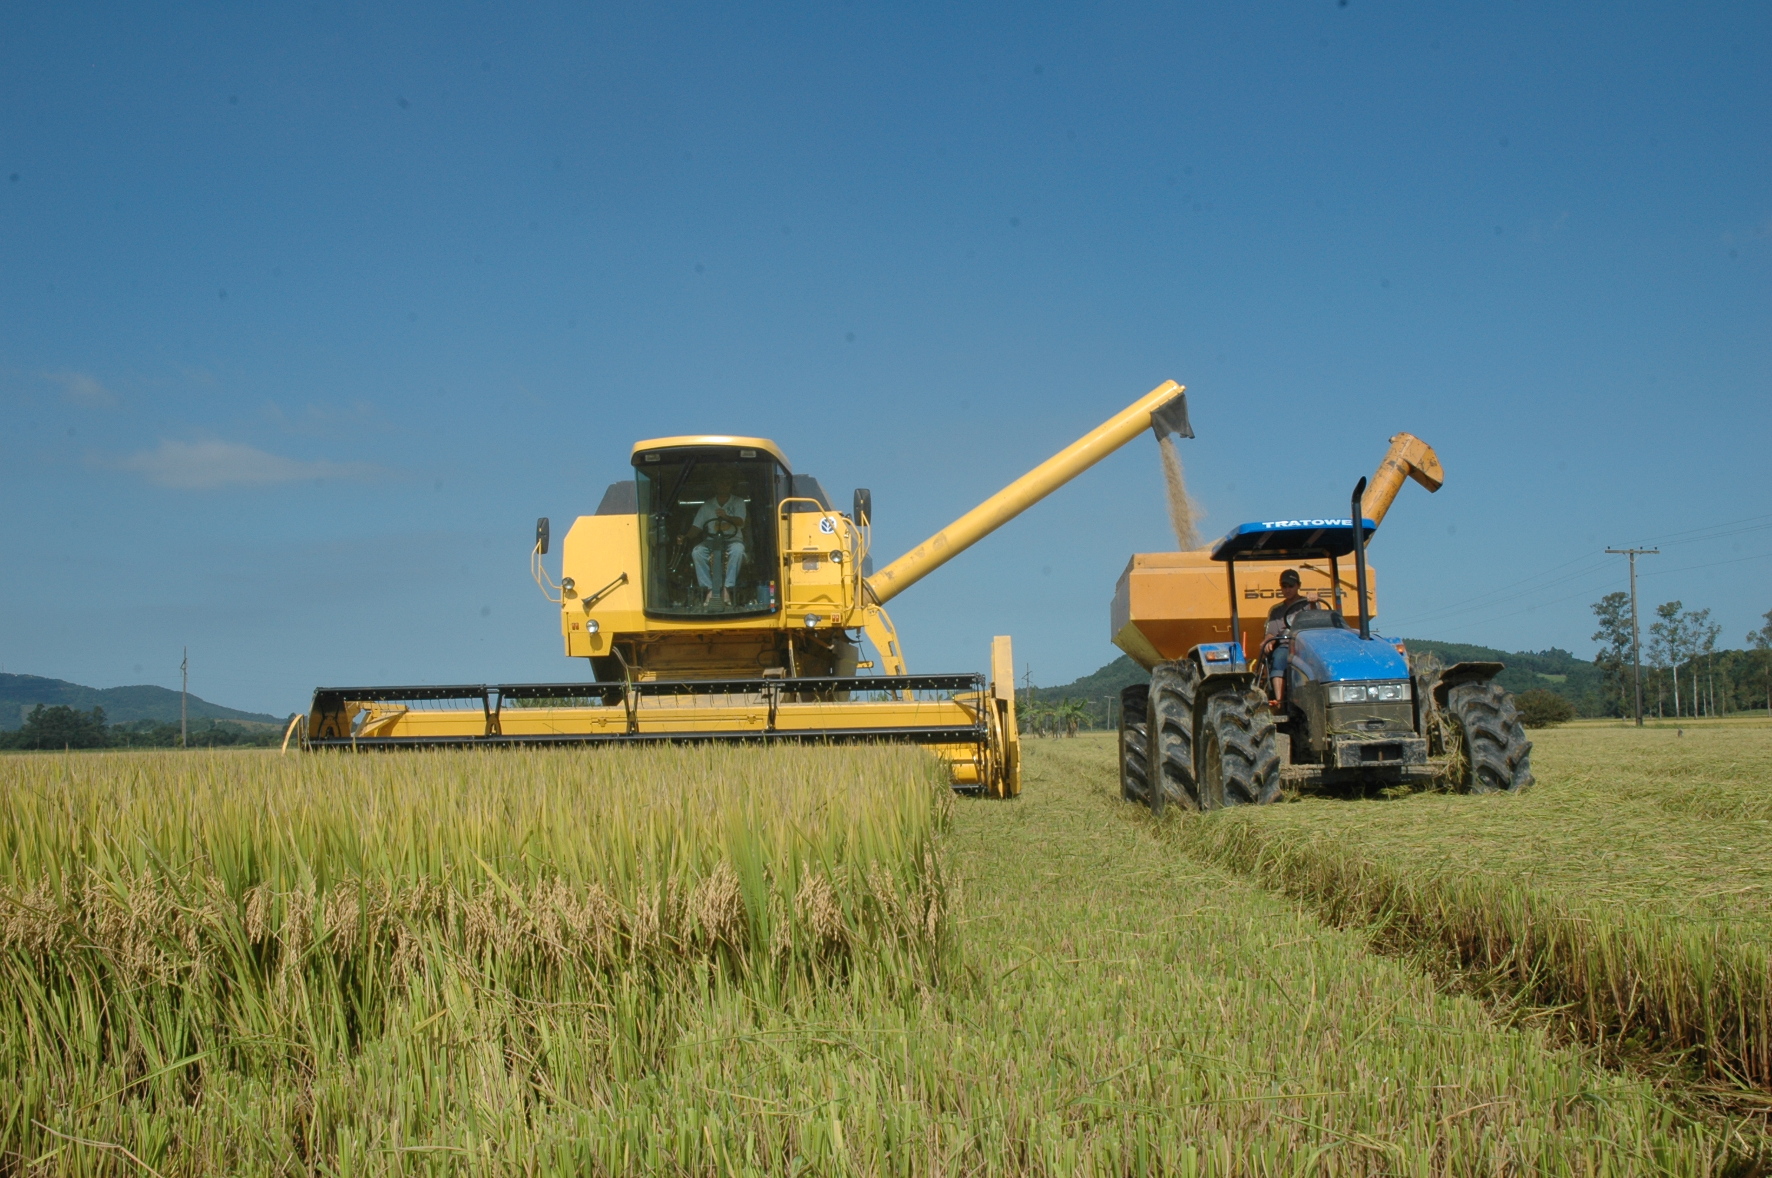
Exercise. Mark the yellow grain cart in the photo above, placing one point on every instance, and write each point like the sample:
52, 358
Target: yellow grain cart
1167, 603
719, 595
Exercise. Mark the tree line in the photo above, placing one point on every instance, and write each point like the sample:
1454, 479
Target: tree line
63, 727
1684, 674
1061, 717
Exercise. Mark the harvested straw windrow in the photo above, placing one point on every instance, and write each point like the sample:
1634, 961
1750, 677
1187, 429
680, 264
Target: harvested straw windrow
1632, 891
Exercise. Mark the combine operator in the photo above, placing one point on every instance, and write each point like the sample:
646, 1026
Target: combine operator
720, 525
1274, 646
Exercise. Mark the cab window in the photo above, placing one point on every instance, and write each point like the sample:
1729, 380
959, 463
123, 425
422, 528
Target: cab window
708, 531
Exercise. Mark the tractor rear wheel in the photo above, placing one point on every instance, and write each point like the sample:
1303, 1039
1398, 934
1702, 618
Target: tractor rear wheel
1171, 736
1135, 757
1495, 754
1239, 756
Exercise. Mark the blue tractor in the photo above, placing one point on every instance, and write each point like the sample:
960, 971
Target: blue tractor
1213, 728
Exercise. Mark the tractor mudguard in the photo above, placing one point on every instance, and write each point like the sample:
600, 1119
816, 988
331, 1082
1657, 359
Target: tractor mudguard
1472, 672
1221, 662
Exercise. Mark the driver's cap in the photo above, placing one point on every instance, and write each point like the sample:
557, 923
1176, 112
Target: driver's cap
1289, 577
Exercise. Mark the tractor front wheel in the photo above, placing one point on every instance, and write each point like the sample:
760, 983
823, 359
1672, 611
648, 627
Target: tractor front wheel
1494, 755
1135, 757
1170, 736
1239, 756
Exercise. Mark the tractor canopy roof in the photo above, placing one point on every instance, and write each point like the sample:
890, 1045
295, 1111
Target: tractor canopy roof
1290, 539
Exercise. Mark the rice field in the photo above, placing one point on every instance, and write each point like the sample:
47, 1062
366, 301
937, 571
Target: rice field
725, 961
245, 963
1630, 892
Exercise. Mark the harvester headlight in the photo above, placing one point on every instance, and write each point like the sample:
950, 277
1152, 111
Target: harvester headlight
591, 626
1369, 693
811, 621
836, 558
567, 584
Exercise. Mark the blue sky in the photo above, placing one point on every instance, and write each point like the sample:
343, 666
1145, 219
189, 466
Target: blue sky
307, 312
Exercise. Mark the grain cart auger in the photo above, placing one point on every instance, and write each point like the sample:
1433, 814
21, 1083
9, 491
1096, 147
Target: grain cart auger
1211, 730
717, 595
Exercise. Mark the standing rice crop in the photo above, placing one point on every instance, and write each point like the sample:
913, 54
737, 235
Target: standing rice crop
166, 920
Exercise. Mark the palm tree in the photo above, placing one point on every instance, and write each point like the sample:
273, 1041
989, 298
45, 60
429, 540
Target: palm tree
1070, 713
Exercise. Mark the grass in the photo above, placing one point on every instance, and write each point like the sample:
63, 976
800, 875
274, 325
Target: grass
1631, 891
1037, 987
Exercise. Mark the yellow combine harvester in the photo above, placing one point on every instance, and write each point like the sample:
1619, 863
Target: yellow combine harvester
718, 595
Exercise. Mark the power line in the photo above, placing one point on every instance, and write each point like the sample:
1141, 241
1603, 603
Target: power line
1451, 607
1708, 564
1615, 581
1717, 535
1669, 537
1488, 601
1536, 583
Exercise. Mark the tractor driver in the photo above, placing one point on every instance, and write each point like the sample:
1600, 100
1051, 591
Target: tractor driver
720, 524
1274, 645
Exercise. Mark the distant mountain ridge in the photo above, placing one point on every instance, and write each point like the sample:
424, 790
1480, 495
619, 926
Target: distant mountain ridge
122, 705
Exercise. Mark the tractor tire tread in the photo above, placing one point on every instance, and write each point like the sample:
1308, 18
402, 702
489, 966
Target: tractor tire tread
1135, 757
1248, 748
1498, 755
1170, 736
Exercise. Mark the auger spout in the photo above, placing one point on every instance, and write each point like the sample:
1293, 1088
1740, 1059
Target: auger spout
1408, 457
1163, 409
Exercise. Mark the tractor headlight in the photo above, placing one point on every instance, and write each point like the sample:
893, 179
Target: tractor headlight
1370, 693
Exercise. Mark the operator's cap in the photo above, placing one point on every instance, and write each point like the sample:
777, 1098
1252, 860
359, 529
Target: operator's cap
1289, 577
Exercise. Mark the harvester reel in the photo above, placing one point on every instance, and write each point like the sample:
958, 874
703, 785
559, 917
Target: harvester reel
1239, 757
1171, 736
1135, 754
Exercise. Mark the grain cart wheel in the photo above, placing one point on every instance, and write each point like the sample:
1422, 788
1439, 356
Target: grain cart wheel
1493, 754
1134, 743
1170, 736
1239, 756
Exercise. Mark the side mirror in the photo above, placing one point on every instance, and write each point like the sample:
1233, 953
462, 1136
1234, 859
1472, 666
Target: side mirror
863, 510
541, 535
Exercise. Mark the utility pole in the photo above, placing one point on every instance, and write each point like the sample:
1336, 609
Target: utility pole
1636, 644
184, 689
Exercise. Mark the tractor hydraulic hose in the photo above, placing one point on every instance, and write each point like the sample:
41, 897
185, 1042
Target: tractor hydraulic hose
1030, 488
1409, 457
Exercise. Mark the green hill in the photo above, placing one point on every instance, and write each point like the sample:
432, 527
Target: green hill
1575, 679
1554, 670
122, 705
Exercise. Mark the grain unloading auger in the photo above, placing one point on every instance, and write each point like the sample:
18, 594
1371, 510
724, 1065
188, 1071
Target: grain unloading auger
718, 595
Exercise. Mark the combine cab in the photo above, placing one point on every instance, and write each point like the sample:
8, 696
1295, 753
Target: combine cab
1211, 729
718, 595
